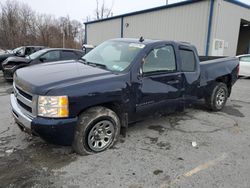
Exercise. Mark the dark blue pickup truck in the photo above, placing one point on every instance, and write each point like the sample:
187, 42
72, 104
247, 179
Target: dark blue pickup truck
89, 102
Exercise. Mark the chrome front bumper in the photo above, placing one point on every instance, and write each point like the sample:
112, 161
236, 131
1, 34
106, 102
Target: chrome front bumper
20, 118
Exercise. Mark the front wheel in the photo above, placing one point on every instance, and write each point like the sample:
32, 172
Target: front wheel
218, 98
96, 131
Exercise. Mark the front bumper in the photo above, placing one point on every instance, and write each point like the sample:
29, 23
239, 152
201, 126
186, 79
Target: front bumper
56, 131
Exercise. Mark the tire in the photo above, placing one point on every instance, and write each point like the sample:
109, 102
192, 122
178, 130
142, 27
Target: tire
218, 97
97, 130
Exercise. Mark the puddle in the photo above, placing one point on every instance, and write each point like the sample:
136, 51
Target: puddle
34, 165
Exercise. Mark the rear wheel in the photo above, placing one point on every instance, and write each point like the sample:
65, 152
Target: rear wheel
96, 131
218, 98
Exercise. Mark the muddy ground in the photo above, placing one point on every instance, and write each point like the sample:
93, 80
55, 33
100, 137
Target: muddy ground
158, 152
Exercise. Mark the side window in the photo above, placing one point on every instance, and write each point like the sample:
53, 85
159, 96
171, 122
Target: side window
68, 55
21, 52
51, 56
28, 51
245, 59
160, 60
188, 62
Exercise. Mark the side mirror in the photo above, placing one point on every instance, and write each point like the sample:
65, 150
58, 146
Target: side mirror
85, 50
42, 59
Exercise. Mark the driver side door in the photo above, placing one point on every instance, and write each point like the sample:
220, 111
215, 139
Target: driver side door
50, 56
160, 88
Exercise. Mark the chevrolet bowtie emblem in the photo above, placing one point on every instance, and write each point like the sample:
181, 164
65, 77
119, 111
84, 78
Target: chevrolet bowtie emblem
15, 93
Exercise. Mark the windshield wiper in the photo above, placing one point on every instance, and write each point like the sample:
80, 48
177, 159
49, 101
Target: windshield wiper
97, 65
94, 64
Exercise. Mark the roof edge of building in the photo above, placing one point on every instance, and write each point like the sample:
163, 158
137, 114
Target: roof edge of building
146, 11
238, 3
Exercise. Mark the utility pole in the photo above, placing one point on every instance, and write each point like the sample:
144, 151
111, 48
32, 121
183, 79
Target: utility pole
166, 2
63, 39
63, 36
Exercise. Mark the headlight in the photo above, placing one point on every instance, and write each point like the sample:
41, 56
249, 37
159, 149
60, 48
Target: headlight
8, 66
53, 106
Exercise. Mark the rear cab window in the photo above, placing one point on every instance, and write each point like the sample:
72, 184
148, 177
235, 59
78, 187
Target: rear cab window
188, 60
68, 55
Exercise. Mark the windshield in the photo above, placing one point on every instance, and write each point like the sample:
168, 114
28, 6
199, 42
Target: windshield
113, 55
36, 54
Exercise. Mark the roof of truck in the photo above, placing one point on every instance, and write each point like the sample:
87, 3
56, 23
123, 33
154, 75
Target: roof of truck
66, 49
149, 41
135, 40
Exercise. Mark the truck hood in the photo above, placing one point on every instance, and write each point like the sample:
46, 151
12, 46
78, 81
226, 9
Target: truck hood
5, 56
17, 60
40, 79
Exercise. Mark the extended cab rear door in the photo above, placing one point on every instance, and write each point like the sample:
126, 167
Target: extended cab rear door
160, 83
190, 69
68, 55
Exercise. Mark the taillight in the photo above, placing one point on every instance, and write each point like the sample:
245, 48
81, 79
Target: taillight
238, 70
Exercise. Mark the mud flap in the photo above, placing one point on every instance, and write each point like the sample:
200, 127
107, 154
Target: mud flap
124, 124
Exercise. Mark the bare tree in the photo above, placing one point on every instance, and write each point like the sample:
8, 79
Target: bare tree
10, 23
20, 25
102, 11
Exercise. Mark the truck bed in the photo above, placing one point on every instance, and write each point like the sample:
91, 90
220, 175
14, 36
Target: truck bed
207, 58
218, 67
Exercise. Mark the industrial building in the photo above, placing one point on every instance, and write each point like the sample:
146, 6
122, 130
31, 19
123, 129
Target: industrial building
215, 27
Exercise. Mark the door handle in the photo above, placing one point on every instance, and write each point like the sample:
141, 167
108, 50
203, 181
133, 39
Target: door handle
173, 81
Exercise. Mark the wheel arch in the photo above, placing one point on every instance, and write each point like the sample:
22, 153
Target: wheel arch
119, 108
226, 79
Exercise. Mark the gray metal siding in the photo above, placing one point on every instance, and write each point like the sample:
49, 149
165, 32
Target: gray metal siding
181, 23
101, 31
226, 25
185, 23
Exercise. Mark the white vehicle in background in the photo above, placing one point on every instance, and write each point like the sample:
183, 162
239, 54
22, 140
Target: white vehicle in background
244, 65
87, 48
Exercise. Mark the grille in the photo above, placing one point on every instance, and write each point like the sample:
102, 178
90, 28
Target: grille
26, 95
26, 107
25, 101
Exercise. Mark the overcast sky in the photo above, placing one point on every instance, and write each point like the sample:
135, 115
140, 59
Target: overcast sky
80, 9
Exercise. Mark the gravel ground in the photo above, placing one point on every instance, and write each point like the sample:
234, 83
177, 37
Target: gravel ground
157, 152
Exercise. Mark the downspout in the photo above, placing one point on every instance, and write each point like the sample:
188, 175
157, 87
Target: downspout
210, 19
85, 35
121, 27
